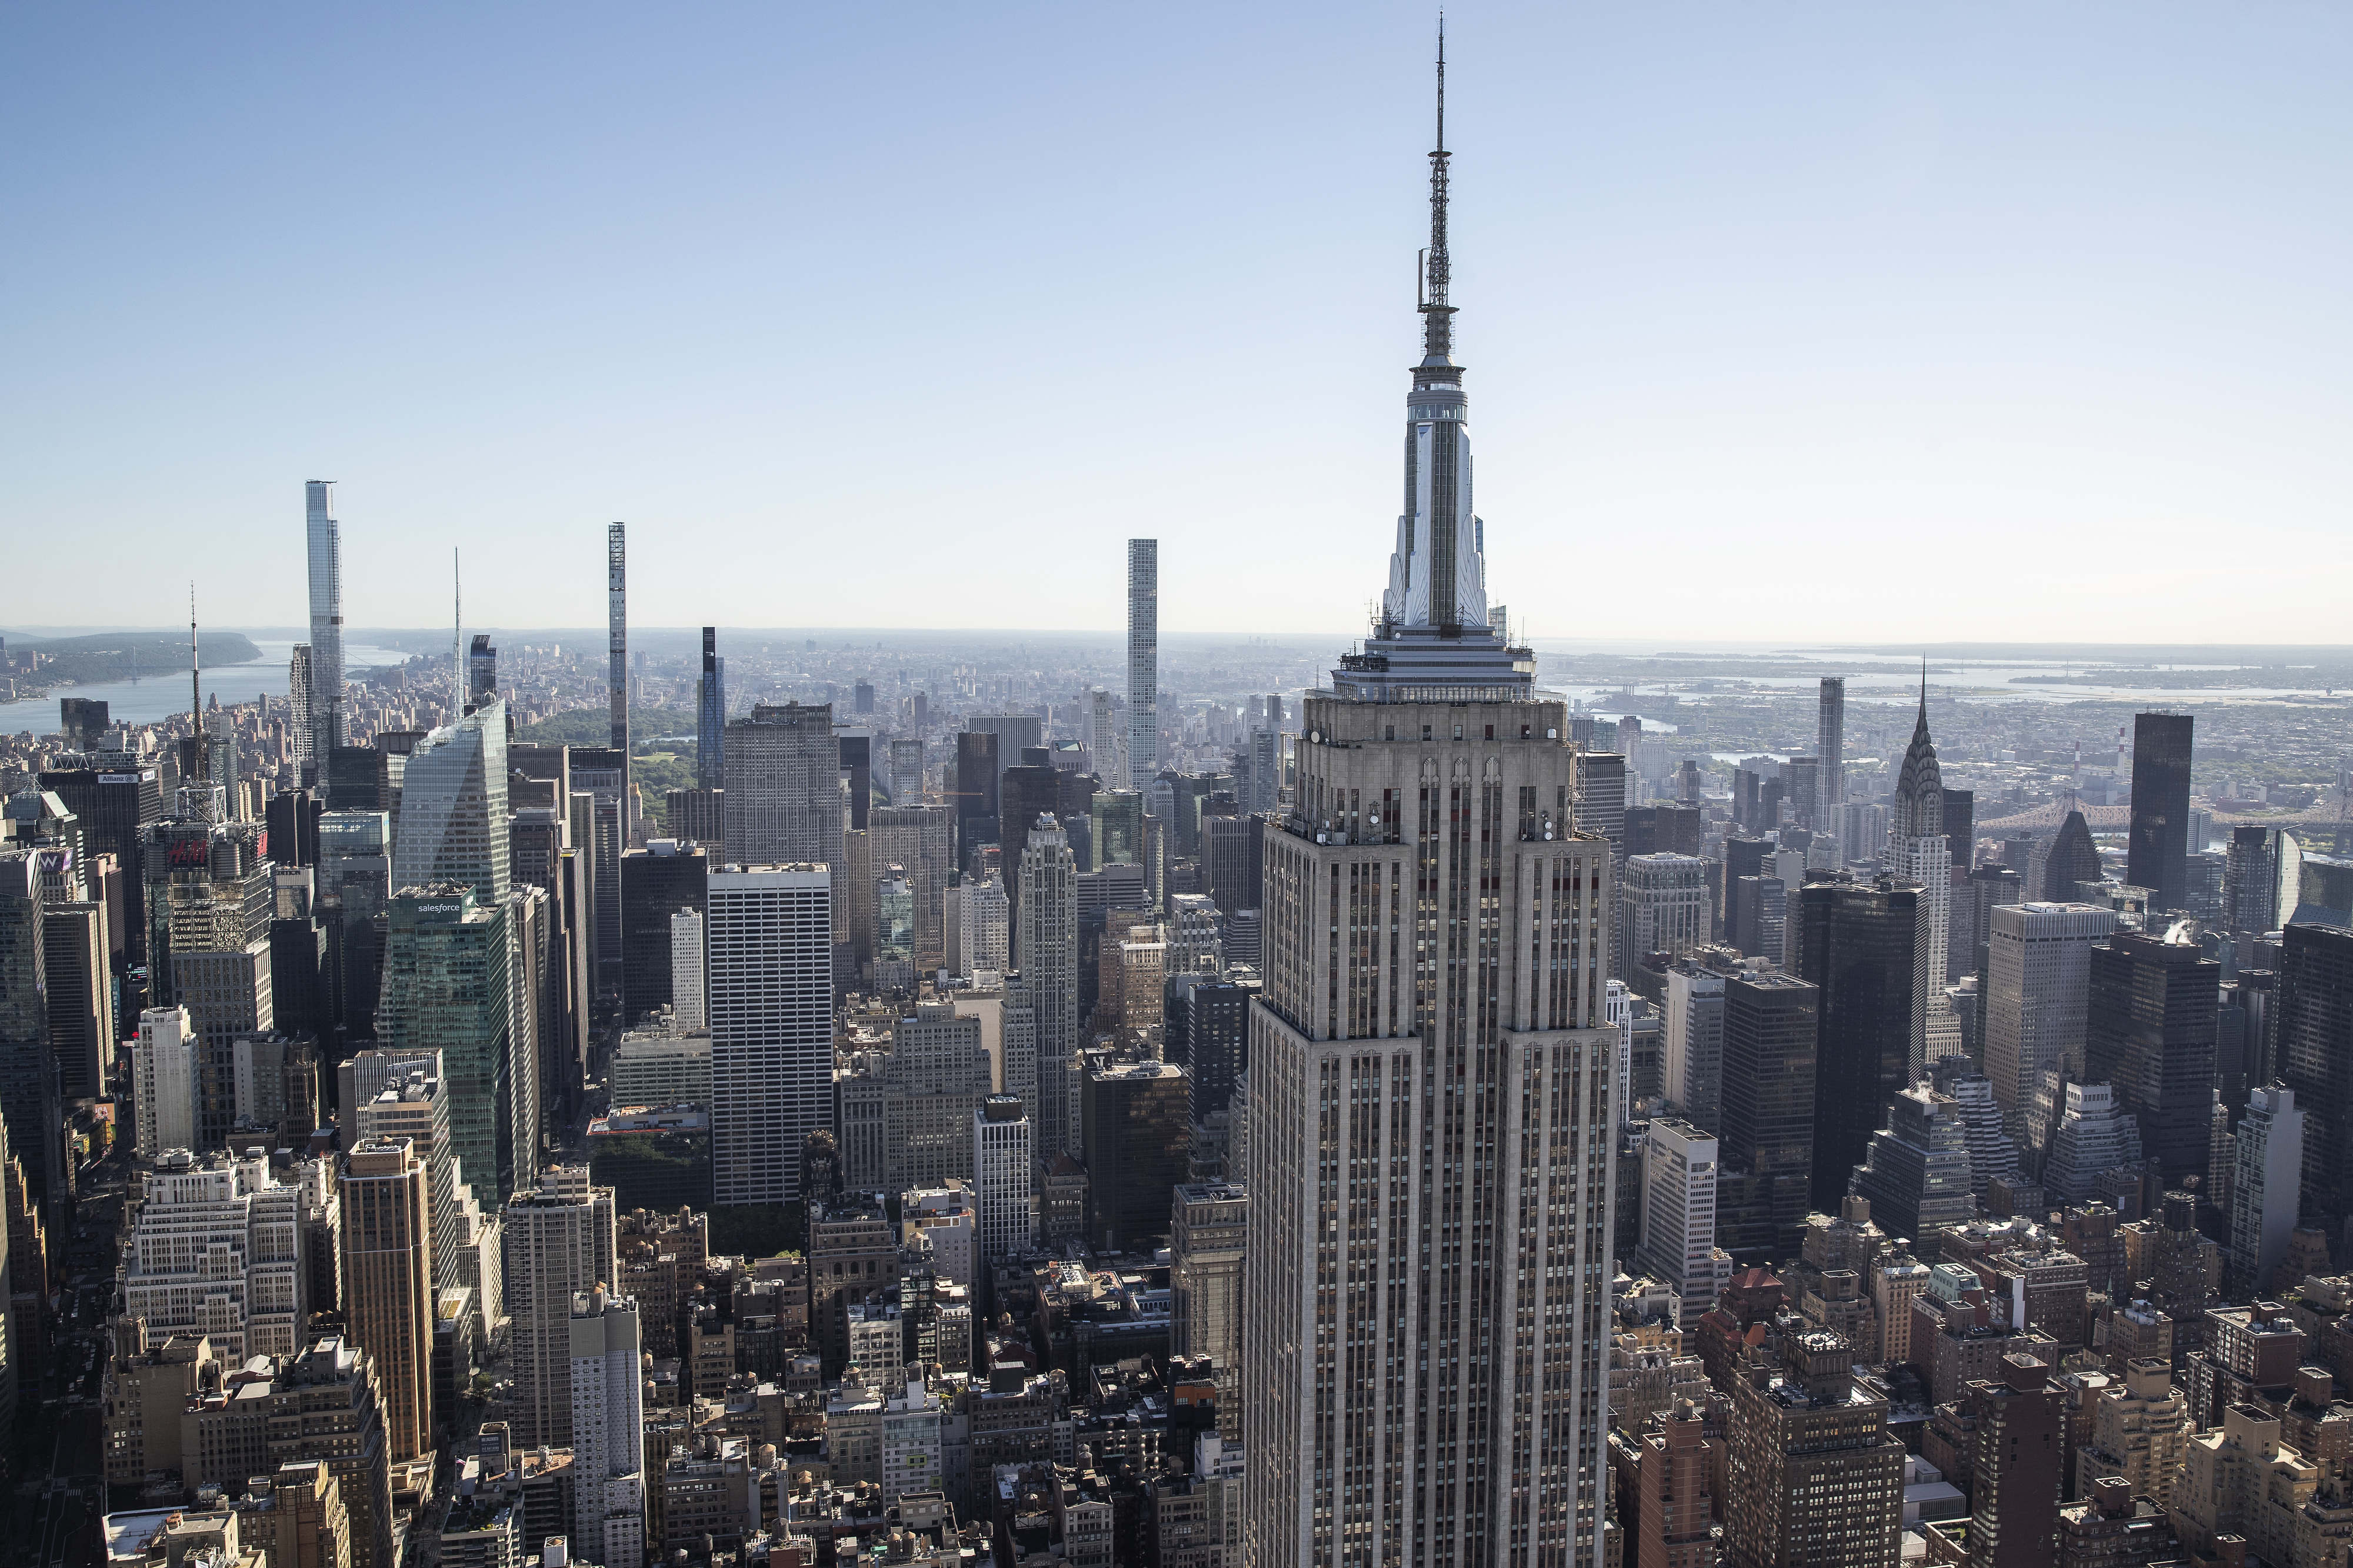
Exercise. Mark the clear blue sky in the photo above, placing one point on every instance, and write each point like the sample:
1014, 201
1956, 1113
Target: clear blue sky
1929, 322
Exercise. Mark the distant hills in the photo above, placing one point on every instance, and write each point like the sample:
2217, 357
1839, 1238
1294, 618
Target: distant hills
118, 655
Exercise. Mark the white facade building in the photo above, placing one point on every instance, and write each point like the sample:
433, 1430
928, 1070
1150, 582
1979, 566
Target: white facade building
164, 1083
1678, 1199
2038, 986
2264, 1192
911, 1441
561, 1240
607, 1400
1694, 1045
661, 1067
218, 1251
771, 988
982, 931
1003, 1158
687, 1009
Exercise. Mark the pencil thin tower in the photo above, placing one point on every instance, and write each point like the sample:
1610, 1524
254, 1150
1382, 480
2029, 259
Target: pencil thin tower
195, 679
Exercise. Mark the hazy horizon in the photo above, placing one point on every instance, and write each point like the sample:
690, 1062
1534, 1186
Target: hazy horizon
1961, 324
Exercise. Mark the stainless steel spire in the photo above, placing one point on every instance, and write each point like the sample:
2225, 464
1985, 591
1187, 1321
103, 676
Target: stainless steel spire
1437, 315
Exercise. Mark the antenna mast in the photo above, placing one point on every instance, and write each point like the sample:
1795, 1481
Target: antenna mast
195, 687
456, 642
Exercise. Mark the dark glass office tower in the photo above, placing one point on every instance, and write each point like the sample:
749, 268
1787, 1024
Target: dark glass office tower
2251, 878
1742, 857
481, 672
1961, 828
711, 716
1030, 789
2312, 1026
656, 883
2074, 859
976, 796
115, 804
28, 1073
856, 751
1857, 942
2158, 853
2150, 1032
1771, 1055
1207, 1032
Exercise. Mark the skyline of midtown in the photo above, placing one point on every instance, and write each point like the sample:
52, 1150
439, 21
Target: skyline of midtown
2039, 300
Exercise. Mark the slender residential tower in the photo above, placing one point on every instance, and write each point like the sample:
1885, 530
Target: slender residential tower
1143, 662
711, 716
1433, 1085
617, 574
330, 722
1829, 745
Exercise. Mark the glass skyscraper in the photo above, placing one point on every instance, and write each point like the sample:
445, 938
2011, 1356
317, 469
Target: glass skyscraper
453, 807
330, 724
446, 988
1143, 661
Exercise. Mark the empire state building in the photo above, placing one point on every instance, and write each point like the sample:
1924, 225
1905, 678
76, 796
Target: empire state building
1433, 1085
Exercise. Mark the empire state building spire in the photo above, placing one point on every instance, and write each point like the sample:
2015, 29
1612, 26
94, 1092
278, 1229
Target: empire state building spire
1434, 629
1437, 315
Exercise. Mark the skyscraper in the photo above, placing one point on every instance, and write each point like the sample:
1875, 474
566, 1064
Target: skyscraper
711, 716
1001, 1178
454, 825
1143, 661
481, 672
1662, 907
770, 980
1775, 1076
2149, 1031
330, 724
2315, 1035
2035, 989
1135, 1133
656, 882
606, 1388
921, 839
2266, 1187
163, 1082
1046, 946
300, 736
686, 999
977, 796
1829, 731
561, 1239
1918, 852
2251, 878
2156, 853
2072, 860
28, 1080
448, 986
1677, 1203
1431, 1121
783, 787
617, 675
388, 1284
1917, 1173
1858, 943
